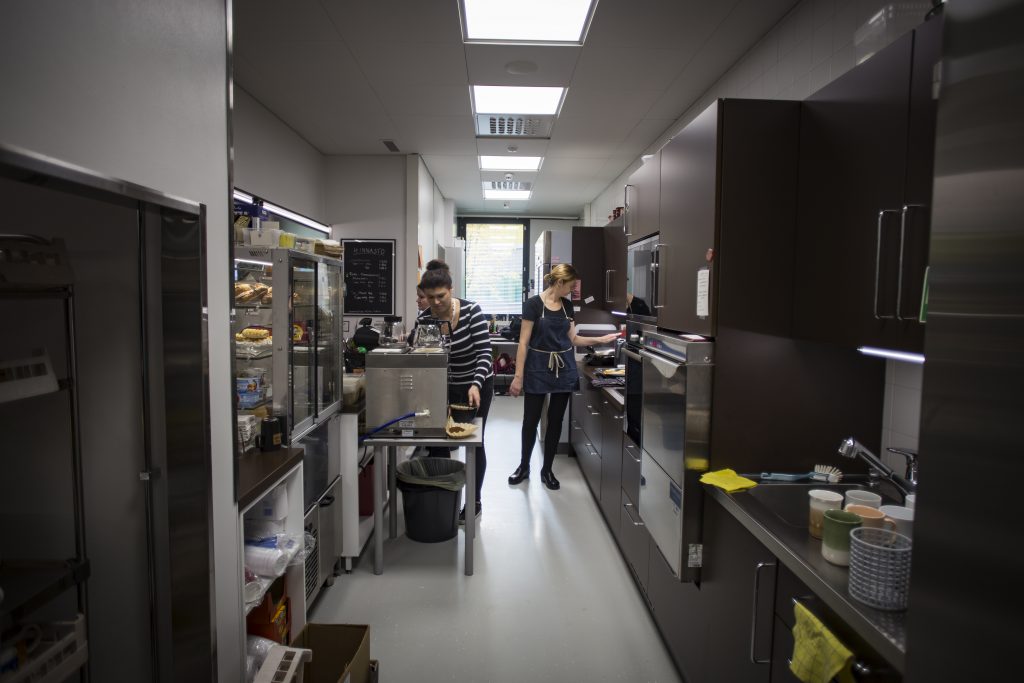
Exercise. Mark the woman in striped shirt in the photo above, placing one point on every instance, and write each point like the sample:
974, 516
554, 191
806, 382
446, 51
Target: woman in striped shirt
470, 379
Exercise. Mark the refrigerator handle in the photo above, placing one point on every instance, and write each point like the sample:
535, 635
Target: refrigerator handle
899, 280
608, 286
656, 255
625, 210
878, 262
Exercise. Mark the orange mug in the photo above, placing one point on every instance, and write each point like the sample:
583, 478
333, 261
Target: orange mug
872, 517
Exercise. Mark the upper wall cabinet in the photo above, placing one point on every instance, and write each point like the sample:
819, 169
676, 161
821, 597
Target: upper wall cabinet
727, 213
866, 151
642, 200
615, 270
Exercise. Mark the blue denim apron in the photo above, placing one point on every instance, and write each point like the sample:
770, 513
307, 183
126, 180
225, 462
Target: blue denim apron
550, 361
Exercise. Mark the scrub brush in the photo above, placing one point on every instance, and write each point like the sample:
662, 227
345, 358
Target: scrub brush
825, 473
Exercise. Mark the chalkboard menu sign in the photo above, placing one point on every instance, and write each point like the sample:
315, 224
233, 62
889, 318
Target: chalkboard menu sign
369, 277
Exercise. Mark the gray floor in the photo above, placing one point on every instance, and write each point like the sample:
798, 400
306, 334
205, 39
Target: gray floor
551, 598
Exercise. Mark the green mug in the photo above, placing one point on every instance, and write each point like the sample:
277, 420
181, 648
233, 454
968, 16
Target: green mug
835, 536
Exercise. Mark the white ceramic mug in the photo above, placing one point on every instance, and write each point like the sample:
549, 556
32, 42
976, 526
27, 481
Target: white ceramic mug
903, 516
859, 497
820, 501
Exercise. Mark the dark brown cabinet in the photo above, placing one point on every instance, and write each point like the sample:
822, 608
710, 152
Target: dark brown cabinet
677, 611
728, 206
866, 151
615, 272
634, 541
611, 462
642, 200
738, 588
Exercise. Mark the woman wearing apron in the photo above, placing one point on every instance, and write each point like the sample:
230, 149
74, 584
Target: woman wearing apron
546, 366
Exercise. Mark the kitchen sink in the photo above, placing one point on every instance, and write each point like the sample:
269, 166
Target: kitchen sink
788, 500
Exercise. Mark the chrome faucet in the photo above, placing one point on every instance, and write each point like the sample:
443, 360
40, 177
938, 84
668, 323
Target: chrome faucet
851, 448
911, 456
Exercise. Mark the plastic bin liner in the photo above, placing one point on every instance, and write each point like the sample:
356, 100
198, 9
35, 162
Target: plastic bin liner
442, 473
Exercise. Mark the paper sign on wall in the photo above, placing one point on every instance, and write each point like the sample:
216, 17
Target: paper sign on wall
703, 291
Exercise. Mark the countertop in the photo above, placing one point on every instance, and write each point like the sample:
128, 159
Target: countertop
795, 548
258, 470
616, 395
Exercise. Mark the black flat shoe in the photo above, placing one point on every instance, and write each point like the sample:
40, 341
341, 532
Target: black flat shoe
549, 480
522, 472
462, 515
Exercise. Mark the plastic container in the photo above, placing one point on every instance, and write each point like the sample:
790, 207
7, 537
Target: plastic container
61, 652
431, 489
274, 505
880, 568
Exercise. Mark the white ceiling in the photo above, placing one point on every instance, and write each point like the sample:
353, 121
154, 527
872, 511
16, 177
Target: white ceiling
345, 74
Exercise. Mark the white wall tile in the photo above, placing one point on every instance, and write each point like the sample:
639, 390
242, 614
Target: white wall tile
909, 375
906, 410
823, 11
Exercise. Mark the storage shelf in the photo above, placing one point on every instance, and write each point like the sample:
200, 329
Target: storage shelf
30, 584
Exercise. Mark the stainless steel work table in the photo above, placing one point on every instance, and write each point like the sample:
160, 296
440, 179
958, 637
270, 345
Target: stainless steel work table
390, 445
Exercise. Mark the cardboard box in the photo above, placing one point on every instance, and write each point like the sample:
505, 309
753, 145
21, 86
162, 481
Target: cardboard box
341, 653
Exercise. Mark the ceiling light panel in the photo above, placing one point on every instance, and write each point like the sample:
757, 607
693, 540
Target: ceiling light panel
504, 99
507, 194
510, 163
526, 21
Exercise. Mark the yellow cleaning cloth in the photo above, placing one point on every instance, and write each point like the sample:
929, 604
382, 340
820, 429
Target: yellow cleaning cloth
727, 480
818, 656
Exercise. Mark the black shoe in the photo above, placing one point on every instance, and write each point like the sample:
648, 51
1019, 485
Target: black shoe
522, 472
462, 514
548, 477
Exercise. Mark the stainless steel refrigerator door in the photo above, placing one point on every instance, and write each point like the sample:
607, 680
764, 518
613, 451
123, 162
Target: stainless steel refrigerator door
663, 413
661, 501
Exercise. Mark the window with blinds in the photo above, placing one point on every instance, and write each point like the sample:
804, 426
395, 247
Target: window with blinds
494, 267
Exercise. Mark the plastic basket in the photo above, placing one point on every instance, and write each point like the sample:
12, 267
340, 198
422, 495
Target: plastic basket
283, 665
880, 568
61, 653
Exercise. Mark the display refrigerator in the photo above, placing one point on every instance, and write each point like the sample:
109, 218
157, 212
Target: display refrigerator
288, 308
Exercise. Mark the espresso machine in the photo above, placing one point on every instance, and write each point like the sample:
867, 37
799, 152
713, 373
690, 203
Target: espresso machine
407, 386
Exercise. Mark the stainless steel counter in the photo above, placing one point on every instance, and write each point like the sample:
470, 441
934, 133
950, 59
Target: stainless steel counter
773, 520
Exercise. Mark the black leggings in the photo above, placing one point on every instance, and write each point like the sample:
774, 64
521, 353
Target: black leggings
459, 394
531, 418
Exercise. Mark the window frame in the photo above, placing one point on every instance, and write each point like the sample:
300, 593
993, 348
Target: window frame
460, 232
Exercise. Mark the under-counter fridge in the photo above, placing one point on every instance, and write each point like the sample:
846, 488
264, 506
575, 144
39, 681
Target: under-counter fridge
287, 325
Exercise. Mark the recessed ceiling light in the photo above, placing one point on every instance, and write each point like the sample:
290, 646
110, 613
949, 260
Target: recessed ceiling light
507, 194
526, 21
502, 99
490, 163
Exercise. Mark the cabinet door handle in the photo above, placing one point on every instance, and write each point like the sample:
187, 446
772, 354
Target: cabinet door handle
878, 262
629, 452
608, 286
626, 506
753, 613
631, 354
625, 210
899, 280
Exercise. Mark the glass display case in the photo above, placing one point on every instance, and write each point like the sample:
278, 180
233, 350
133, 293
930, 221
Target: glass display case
287, 326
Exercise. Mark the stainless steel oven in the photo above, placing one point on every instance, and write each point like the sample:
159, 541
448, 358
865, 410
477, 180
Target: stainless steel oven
676, 427
633, 425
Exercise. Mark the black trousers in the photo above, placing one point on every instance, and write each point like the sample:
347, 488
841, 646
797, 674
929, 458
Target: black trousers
534, 405
459, 394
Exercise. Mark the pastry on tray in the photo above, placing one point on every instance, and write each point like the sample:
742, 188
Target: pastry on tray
459, 430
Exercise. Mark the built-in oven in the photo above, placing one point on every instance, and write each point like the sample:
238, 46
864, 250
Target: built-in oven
632, 425
675, 417
642, 259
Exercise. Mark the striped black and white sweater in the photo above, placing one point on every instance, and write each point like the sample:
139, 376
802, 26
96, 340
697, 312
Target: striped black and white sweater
469, 358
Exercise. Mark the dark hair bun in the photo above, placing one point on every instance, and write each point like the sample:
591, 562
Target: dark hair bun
437, 264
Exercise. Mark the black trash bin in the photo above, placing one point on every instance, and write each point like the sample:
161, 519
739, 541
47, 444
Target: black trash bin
431, 489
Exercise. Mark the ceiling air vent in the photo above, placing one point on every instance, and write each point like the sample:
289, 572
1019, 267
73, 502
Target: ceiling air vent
514, 125
507, 185
390, 144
